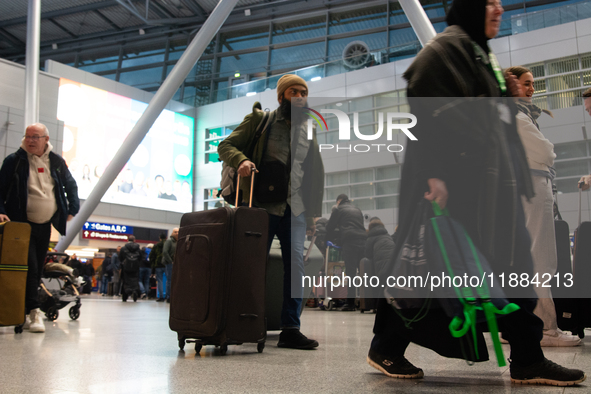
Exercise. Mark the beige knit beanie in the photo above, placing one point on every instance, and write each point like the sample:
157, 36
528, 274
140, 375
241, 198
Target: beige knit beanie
288, 80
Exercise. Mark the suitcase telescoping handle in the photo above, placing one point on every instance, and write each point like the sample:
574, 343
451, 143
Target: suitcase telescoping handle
580, 199
252, 171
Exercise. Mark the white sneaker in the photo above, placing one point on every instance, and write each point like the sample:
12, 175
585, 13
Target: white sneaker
37, 321
27, 322
559, 338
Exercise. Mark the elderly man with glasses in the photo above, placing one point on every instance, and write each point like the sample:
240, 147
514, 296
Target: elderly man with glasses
36, 187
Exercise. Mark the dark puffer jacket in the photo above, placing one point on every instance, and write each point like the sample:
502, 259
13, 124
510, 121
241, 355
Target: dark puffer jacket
321, 234
14, 176
379, 248
349, 221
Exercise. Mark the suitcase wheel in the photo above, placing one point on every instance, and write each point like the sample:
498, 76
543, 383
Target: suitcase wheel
198, 347
181, 343
223, 349
260, 347
74, 312
134, 296
18, 329
52, 313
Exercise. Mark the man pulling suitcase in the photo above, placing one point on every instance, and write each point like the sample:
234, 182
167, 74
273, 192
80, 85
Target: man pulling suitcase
289, 186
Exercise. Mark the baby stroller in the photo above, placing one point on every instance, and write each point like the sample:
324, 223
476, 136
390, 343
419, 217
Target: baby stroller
130, 275
59, 287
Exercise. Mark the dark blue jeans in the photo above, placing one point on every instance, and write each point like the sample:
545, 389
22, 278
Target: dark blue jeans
291, 231
168, 270
145, 273
160, 282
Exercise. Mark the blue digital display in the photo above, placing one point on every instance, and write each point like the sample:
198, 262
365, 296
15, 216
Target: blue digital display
108, 228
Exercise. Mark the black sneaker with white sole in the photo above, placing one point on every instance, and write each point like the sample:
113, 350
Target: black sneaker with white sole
294, 339
394, 367
546, 372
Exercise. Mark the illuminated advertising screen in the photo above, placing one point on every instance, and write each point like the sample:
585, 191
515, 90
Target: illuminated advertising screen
159, 175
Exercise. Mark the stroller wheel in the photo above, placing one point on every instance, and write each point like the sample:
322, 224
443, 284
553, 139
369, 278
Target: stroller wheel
74, 312
124, 297
331, 305
52, 314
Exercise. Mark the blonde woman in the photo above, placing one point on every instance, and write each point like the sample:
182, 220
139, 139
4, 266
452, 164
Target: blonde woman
539, 215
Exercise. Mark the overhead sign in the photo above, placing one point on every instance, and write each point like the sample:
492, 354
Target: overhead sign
108, 228
87, 234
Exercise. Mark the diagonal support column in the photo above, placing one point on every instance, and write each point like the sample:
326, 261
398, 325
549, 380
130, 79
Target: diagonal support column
418, 20
157, 104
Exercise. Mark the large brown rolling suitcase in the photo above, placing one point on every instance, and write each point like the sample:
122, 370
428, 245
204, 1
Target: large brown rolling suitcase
14, 252
218, 278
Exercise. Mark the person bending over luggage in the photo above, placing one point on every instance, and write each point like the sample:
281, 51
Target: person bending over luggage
36, 187
539, 212
379, 247
320, 234
352, 236
294, 200
168, 252
459, 162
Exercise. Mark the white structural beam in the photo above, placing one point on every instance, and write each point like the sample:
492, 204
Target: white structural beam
157, 104
418, 20
32, 63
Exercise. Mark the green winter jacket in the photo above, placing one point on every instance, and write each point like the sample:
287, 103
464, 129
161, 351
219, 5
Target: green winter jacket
240, 140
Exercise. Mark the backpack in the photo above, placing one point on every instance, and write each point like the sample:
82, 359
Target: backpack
229, 174
132, 262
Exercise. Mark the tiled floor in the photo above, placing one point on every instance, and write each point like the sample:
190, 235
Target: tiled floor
117, 347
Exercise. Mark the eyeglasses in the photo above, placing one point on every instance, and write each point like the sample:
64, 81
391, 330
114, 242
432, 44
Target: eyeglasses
34, 138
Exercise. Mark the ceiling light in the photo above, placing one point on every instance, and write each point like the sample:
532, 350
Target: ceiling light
315, 79
247, 12
142, 32
54, 46
250, 94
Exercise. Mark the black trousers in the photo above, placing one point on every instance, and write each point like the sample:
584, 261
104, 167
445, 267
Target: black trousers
523, 329
38, 245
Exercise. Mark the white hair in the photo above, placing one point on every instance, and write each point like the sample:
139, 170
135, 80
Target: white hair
45, 129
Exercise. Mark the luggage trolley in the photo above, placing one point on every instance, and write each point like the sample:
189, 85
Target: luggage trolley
333, 266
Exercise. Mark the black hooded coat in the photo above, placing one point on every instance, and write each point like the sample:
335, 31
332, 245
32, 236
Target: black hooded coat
464, 143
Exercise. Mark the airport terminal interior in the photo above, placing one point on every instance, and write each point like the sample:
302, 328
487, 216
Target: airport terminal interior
104, 63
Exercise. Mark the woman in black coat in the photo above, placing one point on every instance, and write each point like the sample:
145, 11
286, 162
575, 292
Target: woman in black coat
468, 157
